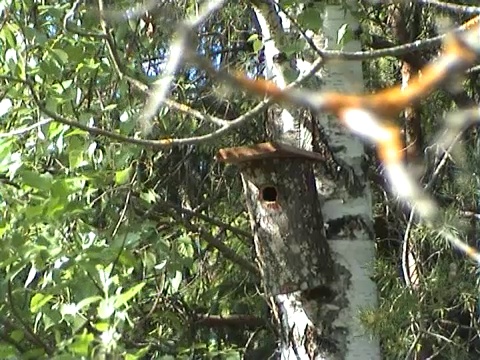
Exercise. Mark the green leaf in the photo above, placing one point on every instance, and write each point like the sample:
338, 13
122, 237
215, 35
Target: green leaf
341, 34
75, 159
81, 343
140, 354
257, 46
54, 129
149, 259
52, 103
17, 335
8, 34
38, 300
9, 161
35, 180
55, 206
102, 326
33, 354
185, 246
75, 52
293, 47
8, 352
127, 259
76, 149
124, 298
64, 357
51, 318
110, 107
311, 19
60, 55
106, 308
123, 176
150, 196
79, 131
34, 36
86, 302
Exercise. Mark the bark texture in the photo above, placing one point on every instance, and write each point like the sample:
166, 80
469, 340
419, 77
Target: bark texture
315, 294
284, 209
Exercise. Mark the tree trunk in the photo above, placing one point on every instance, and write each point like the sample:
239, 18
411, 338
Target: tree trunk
322, 322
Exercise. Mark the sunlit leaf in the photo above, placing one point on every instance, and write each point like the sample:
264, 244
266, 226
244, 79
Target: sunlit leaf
123, 176
31, 275
5, 106
81, 343
150, 196
39, 300
75, 159
125, 297
102, 326
88, 301
106, 308
60, 55
176, 281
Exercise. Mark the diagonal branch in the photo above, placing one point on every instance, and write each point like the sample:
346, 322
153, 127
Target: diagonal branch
395, 50
463, 9
157, 144
176, 53
121, 72
226, 251
365, 115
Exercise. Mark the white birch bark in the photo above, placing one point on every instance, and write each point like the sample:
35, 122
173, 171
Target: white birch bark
352, 245
356, 249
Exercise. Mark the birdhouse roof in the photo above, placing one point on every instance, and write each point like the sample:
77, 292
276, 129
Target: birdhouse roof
268, 150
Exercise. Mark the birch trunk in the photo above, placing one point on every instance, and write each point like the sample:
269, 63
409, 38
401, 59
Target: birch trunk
324, 323
352, 240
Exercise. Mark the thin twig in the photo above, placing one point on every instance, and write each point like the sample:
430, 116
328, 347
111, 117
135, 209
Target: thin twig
26, 327
175, 55
193, 213
21, 131
226, 251
462, 9
67, 24
120, 70
394, 51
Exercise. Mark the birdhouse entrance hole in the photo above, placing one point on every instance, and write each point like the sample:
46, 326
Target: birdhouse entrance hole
269, 193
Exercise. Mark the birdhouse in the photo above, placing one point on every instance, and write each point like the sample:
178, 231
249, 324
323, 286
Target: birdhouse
285, 214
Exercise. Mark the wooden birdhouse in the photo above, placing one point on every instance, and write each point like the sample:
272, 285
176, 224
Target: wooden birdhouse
285, 215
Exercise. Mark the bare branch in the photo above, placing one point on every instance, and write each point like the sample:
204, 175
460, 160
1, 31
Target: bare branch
226, 251
364, 115
464, 9
395, 50
120, 69
176, 52
234, 320
25, 129
158, 144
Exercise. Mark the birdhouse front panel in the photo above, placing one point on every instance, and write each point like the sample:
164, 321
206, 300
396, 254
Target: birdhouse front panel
287, 223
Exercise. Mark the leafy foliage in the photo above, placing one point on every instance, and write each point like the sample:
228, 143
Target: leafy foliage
107, 245
116, 249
